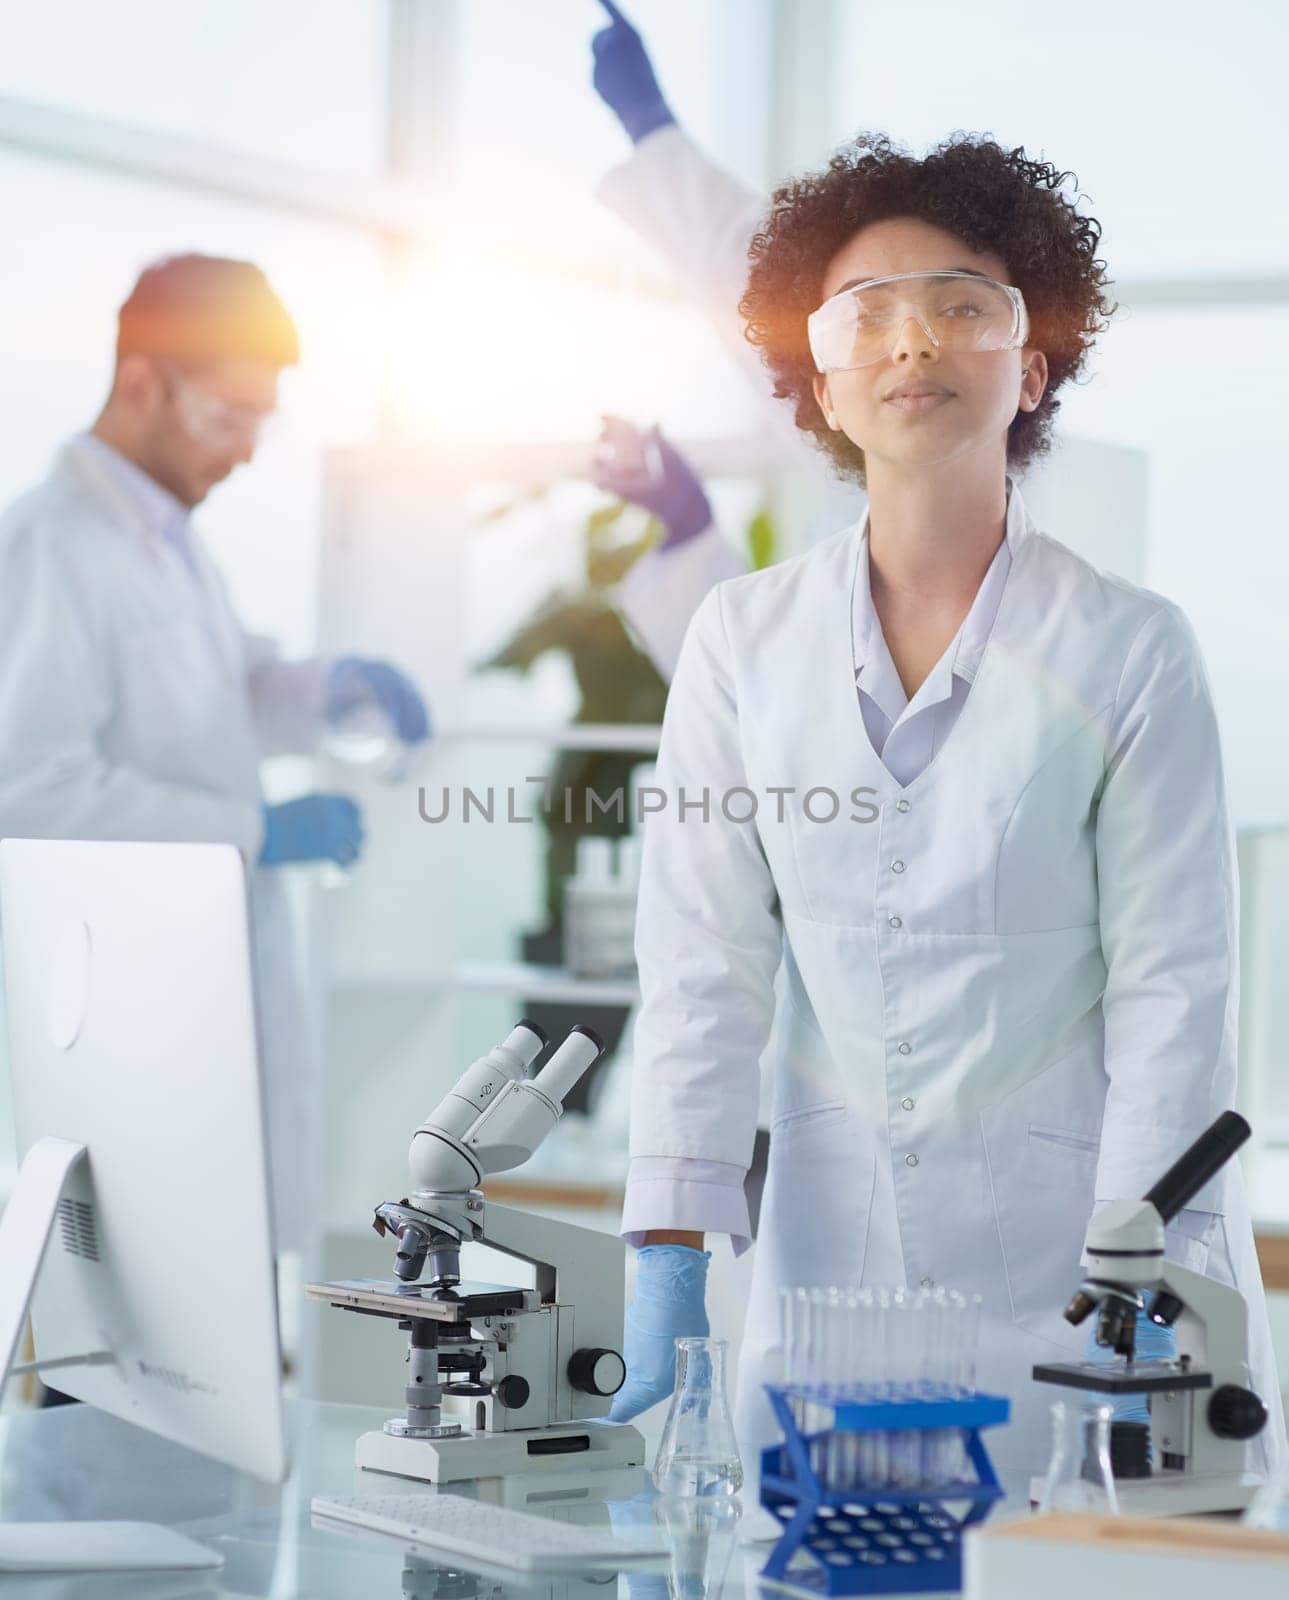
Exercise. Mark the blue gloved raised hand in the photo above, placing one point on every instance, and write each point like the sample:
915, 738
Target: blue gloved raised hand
354, 682
624, 77
641, 466
669, 1304
316, 827
1153, 1343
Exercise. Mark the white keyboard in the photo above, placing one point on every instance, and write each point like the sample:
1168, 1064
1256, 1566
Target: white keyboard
492, 1534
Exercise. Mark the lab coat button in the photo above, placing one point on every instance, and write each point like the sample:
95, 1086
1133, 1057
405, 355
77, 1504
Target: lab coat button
897, 866
905, 1047
901, 805
908, 1102
897, 922
910, 1161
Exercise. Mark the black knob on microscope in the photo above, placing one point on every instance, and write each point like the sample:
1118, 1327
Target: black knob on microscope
601, 1372
1235, 1413
512, 1391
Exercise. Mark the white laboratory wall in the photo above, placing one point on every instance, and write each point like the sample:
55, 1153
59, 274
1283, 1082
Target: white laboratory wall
1173, 118
517, 65
1264, 1009
295, 80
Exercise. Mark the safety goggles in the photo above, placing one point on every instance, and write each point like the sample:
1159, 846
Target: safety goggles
213, 421
956, 310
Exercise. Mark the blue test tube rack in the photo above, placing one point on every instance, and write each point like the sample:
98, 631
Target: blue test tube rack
874, 1540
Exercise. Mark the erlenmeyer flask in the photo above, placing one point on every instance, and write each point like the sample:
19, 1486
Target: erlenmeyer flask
702, 1535
698, 1455
1078, 1475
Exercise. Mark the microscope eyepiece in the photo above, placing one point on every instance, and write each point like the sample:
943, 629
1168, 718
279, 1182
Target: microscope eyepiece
1194, 1167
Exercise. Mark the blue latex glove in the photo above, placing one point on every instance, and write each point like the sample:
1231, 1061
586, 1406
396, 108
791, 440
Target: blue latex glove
624, 78
316, 827
1153, 1343
666, 485
669, 1304
352, 681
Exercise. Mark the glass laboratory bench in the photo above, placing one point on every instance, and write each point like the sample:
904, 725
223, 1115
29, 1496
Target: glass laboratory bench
74, 1462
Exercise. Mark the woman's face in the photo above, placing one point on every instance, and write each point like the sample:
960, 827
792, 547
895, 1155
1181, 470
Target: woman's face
974, 395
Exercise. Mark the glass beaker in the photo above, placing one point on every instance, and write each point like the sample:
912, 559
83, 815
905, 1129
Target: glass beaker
698, 1455
1078, 1475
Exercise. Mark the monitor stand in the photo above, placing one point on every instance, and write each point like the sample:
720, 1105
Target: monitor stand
25, 1225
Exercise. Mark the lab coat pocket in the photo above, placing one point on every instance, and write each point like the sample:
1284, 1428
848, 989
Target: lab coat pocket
818, 1198
1041, 1147
806, 1078
802, 1117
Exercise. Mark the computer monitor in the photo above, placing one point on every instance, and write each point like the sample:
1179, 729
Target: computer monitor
138, 1103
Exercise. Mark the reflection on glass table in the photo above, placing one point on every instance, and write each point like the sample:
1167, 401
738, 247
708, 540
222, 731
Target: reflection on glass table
76, 1462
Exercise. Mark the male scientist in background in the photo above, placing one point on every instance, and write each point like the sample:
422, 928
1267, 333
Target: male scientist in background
133, 704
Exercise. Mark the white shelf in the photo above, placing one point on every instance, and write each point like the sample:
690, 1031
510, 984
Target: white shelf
524, 979
536, 982
642, 736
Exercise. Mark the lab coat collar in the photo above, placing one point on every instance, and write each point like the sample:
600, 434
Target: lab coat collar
874, 669
158, 513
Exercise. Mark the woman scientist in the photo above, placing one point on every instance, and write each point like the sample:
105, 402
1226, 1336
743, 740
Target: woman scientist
968, 790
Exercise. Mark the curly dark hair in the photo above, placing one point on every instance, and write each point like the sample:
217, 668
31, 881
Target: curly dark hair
990, 198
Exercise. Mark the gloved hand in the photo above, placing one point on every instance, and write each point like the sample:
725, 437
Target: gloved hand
642, 467
624, 77
354, 681
316, 827
669, 1304
1153, 1343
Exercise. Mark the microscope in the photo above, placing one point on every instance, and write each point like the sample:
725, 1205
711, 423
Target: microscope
501, 1379
1202, 1410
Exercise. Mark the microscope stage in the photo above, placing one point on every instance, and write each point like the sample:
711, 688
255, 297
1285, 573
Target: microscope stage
1143, 1377
388, 1297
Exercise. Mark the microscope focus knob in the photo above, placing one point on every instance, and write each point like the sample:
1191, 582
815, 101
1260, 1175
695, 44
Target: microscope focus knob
601, 1372
1235, 1413
512, 1392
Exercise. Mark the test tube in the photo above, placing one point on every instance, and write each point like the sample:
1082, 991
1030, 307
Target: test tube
883, 1380
869, 1335
794, 1323
837, 1344
854, 1390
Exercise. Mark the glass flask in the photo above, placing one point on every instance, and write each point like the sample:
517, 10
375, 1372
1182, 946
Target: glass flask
1078, 1475
702, 1535
698, 1456
364, 738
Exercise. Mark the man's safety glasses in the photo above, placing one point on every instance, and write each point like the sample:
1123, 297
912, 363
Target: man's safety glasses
211, 420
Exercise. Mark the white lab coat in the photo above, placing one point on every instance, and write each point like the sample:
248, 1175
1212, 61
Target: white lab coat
1014, 990
134, 706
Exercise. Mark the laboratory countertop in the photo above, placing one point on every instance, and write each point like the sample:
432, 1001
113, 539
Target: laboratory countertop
78, 1463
